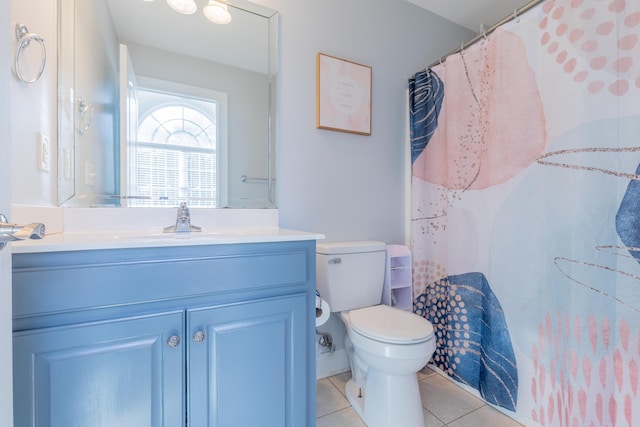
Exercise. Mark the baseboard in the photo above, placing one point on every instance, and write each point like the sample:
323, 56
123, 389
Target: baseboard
328, 364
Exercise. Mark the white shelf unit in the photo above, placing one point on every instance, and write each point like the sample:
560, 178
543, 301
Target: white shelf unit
397, 291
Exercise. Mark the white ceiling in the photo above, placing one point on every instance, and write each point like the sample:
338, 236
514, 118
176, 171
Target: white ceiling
472, 14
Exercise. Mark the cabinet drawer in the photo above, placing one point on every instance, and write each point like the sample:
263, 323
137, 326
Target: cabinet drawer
63, 282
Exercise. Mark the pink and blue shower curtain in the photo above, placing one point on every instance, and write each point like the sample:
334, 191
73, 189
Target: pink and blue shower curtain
526, 213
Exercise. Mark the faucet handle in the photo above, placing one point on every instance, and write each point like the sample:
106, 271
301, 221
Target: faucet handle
10, 232
31, 231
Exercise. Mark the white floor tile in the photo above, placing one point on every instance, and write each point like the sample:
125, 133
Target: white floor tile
343, 418
425, 373
446, 400
340, 380
431, 420
444, 404
485, 416
328, 398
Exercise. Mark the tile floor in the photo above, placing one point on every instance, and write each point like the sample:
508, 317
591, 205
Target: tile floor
444, 404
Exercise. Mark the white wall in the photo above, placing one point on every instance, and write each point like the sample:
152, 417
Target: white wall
350, 187
33, 106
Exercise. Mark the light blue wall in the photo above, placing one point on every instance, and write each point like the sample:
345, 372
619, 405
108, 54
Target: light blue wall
350, 187
346, 186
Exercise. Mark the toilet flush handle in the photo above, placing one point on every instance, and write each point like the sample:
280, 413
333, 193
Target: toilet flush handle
335, 261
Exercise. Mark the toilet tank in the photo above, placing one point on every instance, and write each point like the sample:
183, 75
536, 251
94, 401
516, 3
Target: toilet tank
350, 275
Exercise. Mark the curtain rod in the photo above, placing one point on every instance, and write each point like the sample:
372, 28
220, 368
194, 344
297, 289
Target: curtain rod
485, 33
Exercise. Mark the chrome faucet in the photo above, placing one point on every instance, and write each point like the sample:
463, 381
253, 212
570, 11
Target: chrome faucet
183, 221
10, 232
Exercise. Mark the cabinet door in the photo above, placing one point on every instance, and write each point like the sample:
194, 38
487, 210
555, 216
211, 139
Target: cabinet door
247, 364
127, 372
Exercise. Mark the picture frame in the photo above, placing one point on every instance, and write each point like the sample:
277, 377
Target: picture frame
343, 95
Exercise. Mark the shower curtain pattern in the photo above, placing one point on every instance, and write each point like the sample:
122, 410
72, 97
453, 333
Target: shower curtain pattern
526, 213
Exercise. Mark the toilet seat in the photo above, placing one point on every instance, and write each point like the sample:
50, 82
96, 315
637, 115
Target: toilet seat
390, 325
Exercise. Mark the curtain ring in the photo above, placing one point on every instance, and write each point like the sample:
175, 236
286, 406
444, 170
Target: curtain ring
515, 16
24, 39
483, 31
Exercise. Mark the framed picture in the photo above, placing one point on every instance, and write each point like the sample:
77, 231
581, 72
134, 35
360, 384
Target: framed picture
343, 95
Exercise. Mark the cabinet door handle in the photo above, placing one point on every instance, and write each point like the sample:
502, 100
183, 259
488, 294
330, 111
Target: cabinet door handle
198, 337
173, 341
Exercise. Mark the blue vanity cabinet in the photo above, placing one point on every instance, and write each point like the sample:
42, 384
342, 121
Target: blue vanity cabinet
198, 336
243, 361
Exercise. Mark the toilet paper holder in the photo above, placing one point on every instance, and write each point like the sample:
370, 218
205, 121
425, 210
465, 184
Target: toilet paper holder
323, 311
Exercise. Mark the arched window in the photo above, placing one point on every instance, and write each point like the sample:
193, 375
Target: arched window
175, 155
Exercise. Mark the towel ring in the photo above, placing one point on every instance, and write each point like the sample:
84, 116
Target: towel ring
24, 40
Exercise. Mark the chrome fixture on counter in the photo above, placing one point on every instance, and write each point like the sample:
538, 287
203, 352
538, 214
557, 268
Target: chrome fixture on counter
10, 232
183, 221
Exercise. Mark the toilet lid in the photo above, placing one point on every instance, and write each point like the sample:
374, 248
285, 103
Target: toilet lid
384, 323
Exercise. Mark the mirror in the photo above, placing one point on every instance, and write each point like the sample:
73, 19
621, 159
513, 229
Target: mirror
157, 107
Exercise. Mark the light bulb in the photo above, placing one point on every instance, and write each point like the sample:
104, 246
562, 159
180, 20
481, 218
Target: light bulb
186, 7
217, 12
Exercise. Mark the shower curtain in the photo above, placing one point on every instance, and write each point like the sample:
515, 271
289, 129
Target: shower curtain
526, 213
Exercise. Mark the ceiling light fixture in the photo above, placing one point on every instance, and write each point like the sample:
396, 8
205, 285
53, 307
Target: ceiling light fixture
217, 12
186, 7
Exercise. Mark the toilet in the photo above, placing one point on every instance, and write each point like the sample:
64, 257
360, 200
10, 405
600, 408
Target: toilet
386, 346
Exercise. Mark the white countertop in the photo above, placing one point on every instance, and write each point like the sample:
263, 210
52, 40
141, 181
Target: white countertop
80, 229
81, 241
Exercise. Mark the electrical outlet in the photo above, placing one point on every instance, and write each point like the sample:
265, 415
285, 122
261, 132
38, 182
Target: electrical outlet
44, 153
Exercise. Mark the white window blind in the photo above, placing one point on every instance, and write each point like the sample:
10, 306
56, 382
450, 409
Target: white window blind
175, 154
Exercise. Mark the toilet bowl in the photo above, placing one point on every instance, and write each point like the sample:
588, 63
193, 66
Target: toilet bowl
386, 346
